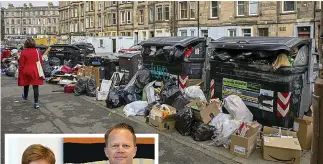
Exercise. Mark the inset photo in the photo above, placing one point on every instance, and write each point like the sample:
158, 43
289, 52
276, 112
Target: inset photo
81, 148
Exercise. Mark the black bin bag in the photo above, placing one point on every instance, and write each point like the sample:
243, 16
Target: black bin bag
202, 132
184, 121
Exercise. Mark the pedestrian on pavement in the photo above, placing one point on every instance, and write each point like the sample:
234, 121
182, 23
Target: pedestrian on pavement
120, 142
38, 154
28, 72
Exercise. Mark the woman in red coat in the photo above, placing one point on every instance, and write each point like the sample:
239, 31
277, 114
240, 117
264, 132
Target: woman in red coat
28, 72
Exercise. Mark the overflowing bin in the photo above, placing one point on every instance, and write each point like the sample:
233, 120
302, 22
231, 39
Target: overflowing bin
180, 57
270, 74
129, 64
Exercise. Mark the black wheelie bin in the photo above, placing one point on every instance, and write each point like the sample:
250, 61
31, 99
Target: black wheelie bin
270, 74
179, 57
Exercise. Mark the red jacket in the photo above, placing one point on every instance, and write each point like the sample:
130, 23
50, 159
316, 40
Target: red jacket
5, 54
28, 73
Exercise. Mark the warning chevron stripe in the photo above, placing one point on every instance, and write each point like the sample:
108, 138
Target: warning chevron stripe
283, 103
212, 89
182, 83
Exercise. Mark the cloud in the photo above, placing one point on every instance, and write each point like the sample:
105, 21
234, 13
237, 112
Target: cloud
21, 3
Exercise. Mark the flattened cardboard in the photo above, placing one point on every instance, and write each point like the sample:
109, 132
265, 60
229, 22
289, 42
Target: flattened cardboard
203, 111
287, 150
243, 146
212, 108
305, 132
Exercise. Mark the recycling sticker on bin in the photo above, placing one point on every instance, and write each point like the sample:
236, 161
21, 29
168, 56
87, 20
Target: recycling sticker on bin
250, 93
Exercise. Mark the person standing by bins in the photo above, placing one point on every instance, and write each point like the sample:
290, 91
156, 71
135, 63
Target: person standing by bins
28, 71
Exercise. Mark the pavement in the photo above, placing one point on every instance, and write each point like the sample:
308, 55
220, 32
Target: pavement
66, 113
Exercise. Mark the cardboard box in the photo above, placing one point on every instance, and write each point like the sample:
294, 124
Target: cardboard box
243, 146
281, 149
163, 124
305, 132
202, 110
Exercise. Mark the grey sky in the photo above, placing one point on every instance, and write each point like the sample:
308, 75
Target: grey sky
21, 3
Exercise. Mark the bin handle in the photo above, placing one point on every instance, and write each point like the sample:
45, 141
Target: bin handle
243, 41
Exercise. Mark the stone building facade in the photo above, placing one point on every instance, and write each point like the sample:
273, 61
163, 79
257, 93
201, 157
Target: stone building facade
30, 21
146, 19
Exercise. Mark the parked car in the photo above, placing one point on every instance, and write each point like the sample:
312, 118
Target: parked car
133, 48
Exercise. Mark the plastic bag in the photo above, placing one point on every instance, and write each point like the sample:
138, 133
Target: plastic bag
142, 79
301, 58
222, 56
170, 92
54, 61
66, 69
218, 121
184, 121
227, 129
47, 68
80, 86
129, 98
148, 108
148, 93
202, 132
237, 109
114, 99
91, 87
11, 70
136, 108
194, 92
180, 102
16, 73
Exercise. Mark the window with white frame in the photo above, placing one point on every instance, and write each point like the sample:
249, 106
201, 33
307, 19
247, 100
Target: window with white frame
246, 32
183, 10
99, 20
99, 8
82, 10
12, 21
141, 16
23, 21
205, 33
144, 35
91, 21
76, 27
87, 6
123, 17
49, 21
108, 19
240, 8
192, 9
151, 14
75, 12
87, 22
18, 21
183, 32
214, 9
192, 32
318, 4
253, 7
7, 30
159, 13
232, 32
71, 27
166, 8
288, 6
82, 26
114, 18
128, 17
91, 5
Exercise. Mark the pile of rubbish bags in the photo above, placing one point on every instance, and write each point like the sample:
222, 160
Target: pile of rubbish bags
220, 128
122, 95
85, 85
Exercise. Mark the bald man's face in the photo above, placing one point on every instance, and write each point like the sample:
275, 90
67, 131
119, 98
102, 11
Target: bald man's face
121, 148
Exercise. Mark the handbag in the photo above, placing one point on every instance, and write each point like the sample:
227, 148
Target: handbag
39, 67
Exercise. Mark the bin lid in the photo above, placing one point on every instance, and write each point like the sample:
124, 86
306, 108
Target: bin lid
171, 41
259, 43
128, 54
64, 46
